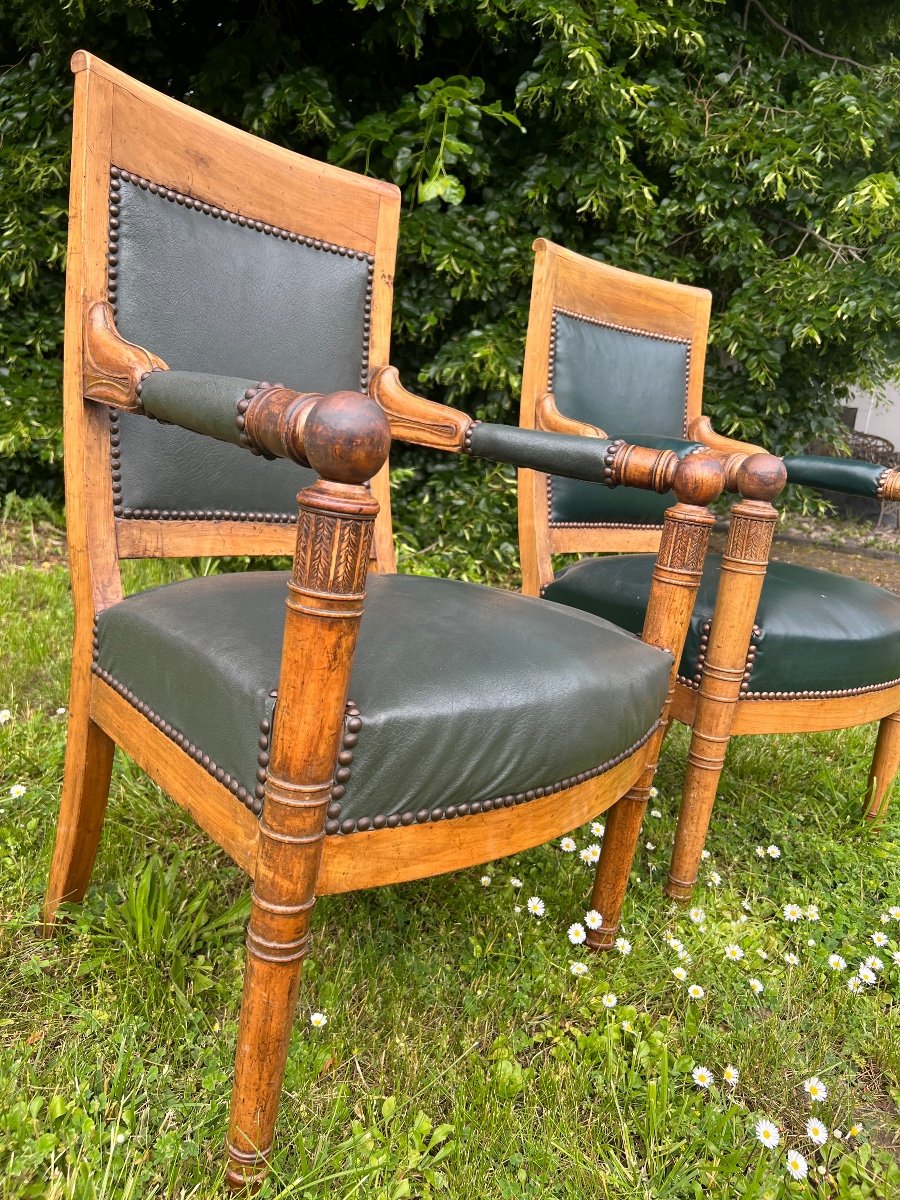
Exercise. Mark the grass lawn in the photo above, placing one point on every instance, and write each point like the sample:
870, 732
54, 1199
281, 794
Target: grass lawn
462, 1055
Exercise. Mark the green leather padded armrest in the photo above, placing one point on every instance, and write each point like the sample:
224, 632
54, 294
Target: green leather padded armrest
204, 403
847, 475
563, 454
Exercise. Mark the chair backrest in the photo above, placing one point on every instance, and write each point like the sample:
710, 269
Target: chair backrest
223, 254
620, 351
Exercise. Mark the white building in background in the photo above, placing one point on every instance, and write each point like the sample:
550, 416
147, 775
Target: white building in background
880, 417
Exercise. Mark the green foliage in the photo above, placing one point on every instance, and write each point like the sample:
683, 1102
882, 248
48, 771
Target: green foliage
747, 148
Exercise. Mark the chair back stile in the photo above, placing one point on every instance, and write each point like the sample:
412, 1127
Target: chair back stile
596, 335
221, 254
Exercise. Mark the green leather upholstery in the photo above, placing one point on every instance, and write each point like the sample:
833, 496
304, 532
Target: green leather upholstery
211, 295
631, 385
561, 453
466, 695
204, 403
819, 632
847, 475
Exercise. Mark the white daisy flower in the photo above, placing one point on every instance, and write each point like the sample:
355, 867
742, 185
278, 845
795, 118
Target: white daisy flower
810, 941
609, 999
628, 1026
704, 853
683, 955
514, 882
792, 912
879, 938
855, 1131
655, 813
816, 1131
579, 968
760, 852
680, 973
773, 851
518, 908
812, 912
623, 945
763, 955
874, 963
731, 1076
651, 846
485, 881
653, 793
734, 953
696, 992
715, 878
536, 906
837, 963
598, 828
318, 1020
866, 974
590, 855
885, 918
896, 957
837, 1135
568, 845
855, 985
576, 934
894, 912
815, 1088
756, 986
60, 712
697, 915
5, 715
702, 1076
791, 959
746, 905
17, 790
673, 942
592, 919
796, 1164
767, 1133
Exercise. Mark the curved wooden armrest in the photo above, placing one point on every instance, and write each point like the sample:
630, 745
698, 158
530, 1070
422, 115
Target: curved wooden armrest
701, 430
549, 419
415, 419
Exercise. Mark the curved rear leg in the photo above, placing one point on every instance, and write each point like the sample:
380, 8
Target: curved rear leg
884, 767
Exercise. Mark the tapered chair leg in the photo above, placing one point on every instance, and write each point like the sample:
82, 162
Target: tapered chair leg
884, 767
623, 825
725, 671
88, 769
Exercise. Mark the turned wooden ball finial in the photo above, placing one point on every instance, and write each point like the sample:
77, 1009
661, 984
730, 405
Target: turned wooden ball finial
698, 479
761, 477
346, 437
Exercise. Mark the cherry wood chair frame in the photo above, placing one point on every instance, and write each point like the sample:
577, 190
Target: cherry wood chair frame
717, 705
126, 135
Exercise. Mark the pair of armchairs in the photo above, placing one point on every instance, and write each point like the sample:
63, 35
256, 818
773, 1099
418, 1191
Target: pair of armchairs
341, 726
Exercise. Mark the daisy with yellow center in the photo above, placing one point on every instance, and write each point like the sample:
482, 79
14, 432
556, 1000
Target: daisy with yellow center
815, 1088
577, 934
592, 919
536, 906
756, 986
697, 915
318, 1020
568, 845
702, 1076
768, 1134
578, 968
816, 1131
796, 1165
734, 953
792, 912
696, 992
609, 999
731, 1076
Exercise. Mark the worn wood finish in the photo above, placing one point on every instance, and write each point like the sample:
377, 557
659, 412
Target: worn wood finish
740, 584
884, 766
324, 605
676, 578
816, 714
415, 419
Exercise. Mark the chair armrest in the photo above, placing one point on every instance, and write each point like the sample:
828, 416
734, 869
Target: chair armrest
344, 436
848, 475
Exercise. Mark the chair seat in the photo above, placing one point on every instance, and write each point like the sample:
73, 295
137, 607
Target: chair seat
816, 633
463, 698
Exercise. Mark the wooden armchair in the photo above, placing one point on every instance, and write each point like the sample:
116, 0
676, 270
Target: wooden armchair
783, 649
323, 752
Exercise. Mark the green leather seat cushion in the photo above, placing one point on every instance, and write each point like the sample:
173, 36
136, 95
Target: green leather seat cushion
819, 632
465, 694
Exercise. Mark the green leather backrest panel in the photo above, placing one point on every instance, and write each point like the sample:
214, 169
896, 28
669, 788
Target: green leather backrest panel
210, 295
627, 383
